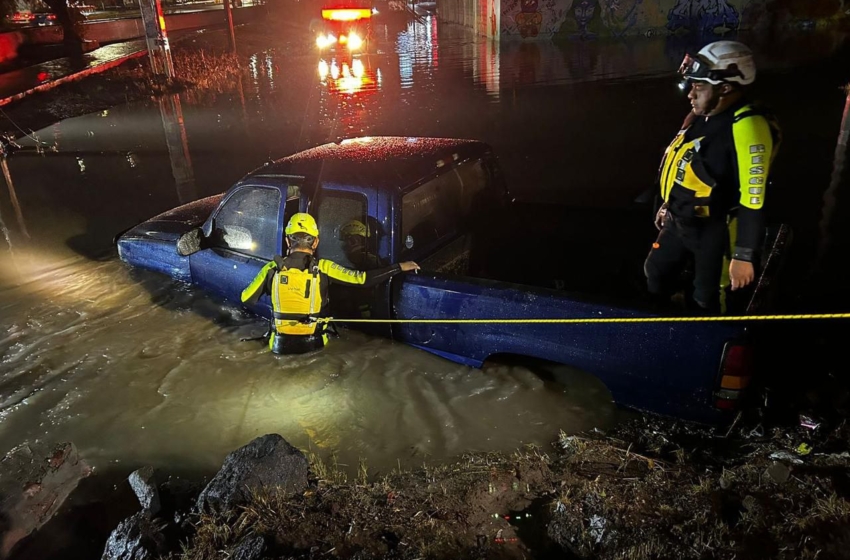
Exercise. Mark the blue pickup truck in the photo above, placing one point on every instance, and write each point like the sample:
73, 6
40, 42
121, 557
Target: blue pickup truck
444, 204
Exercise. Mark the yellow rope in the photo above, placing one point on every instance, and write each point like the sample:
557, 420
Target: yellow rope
701, 319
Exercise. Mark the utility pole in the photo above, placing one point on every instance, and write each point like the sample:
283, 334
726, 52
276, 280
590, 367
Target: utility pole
157, 38
229, 11
8, 146
178, 147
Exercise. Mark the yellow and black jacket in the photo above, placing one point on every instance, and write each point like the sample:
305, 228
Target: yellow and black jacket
298, 287
719, 167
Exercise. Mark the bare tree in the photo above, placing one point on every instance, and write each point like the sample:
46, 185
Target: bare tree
7, 7
70, 20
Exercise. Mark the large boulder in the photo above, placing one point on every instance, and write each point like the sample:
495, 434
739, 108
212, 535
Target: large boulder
143, 484
35, 480
136, 538
268, 462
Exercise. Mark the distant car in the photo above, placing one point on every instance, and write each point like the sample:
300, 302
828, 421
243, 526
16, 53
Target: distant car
45, 18
21, 18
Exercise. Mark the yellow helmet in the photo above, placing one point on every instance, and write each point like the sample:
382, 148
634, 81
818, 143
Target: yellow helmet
354, 227
302, 223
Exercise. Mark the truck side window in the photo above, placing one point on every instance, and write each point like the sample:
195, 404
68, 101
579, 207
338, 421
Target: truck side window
247, 223
438, 208
336, 210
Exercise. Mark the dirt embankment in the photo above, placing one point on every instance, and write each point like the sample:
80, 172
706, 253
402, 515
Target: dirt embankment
652, 489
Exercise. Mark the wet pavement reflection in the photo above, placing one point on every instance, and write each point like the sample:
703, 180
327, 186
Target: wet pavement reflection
14, 82
137, 369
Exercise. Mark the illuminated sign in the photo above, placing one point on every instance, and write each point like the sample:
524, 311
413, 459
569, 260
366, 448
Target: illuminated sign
347, 14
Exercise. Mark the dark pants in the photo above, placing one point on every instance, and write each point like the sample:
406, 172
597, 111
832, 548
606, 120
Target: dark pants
296, 344
707, 240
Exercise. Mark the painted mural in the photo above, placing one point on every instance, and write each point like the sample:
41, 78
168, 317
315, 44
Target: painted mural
532, 18
589, 19
703, 16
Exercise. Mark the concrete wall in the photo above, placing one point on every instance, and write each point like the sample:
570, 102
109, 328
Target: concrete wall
484, 16
579, 19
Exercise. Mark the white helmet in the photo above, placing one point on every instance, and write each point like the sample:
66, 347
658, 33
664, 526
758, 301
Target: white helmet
719, 62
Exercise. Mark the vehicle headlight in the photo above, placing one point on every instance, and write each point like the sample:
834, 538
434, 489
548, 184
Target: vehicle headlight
354, 41
357, 68
323, 41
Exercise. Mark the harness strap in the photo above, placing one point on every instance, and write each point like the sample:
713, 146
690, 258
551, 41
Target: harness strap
300, 317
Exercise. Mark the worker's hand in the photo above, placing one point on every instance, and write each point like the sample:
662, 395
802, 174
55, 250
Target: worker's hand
407, 266
661, 217
741, 273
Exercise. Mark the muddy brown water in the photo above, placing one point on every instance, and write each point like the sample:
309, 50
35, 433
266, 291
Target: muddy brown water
137, 369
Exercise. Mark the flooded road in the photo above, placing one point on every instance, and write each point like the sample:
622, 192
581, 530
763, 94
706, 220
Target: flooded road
136, 369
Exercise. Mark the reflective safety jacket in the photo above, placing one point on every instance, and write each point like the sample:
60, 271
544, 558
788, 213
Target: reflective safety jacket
298, 287
719, 167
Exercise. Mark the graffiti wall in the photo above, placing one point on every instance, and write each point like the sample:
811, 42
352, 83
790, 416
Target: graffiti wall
587, 19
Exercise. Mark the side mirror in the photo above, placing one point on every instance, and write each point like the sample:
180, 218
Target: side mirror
189, 242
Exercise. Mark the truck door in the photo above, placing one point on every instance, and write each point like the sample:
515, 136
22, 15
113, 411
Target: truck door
350, 235
244, 236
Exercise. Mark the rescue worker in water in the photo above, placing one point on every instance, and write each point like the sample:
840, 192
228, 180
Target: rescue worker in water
713, 178
298, 286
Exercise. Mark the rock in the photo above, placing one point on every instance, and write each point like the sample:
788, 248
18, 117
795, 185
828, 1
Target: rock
35, 480
267, 462
251, 548
725, 482
142, 483
135, 538
778, 473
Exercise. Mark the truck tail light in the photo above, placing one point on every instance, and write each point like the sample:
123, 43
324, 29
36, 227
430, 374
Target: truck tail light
736, 370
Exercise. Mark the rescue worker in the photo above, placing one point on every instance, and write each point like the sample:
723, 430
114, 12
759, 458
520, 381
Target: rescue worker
353, 236
713, 178
298, 286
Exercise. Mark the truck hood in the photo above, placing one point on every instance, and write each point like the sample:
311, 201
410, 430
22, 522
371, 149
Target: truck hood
170, 225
